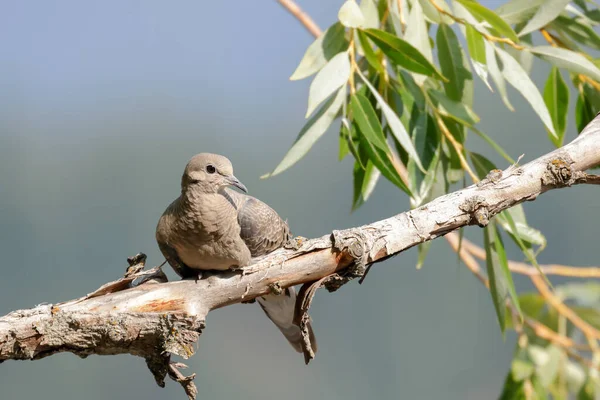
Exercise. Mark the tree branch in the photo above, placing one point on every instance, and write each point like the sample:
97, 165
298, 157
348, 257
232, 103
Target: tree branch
153, 319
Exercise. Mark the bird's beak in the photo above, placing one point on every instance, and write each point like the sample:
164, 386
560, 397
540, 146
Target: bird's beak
233, 181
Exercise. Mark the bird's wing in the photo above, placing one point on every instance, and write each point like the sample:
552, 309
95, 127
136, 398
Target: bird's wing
162, 238
262, 229
280, 310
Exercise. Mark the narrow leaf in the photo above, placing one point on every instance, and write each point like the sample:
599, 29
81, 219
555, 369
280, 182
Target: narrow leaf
423, 249
517, 11
556, 97
372, 175
483, 13
433, 15
476, 45
382, 161
452, 63
402, 53
311, 132
584, 111
394, 123
519, 79
482, 165
525, 249
417, 32
328, 80
370, 13
567, 59
547, 12
496, 74
498, 284
369, 52
330, 43
454, 109
350, 15
366, 118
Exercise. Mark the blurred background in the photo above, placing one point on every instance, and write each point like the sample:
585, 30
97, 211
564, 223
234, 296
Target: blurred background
101, 106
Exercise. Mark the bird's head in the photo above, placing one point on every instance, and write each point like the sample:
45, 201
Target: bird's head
209, 173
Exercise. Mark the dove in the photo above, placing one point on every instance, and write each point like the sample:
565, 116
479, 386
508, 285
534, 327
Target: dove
213, 227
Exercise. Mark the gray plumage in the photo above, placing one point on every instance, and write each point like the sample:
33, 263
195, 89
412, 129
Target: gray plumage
211, 227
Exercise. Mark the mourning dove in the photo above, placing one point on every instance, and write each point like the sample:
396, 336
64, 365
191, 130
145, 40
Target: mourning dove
211, 227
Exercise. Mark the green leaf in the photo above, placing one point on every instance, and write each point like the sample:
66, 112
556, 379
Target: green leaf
567, 59
349, 132
358, 176
519, 79
366, 119
578, 29
476, 46
556, 97
370, 13
427, 143
501, 284
588, 390
547, 12
333, 75
433, 15
482, 165
311, 132
417, 31
584, 111
521, 369
369, 52
403, 54
548, 366
482, 13
394, 123
350, 15
454, 109
452, 63
371, 177
364, 183
496, 74
517, 11
532, 304
330, 43
512, 389
423, 249
521, 229
524, 248
381, 160
344, 149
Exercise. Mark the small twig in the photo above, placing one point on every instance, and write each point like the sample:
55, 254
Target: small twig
538, 328
301, 16
544, 290
547, 269
186, 381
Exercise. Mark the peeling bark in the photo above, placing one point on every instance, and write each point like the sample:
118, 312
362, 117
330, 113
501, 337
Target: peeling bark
153, 319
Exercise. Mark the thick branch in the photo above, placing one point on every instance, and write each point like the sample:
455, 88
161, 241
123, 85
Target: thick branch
154, 319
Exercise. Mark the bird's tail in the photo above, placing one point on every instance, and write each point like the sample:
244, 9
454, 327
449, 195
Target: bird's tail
280, 310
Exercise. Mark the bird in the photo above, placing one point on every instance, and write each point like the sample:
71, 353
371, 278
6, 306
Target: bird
210, 226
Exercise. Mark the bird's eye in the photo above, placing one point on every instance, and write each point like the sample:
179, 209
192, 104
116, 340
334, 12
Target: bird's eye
211, 169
